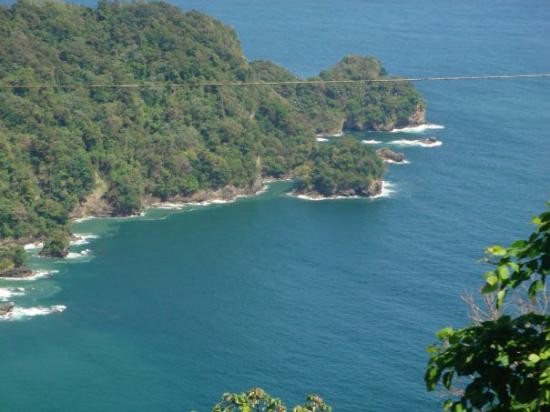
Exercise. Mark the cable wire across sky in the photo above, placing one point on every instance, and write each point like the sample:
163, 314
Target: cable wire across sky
273, 83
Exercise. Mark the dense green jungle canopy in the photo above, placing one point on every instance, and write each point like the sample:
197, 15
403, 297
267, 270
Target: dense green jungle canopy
61, 143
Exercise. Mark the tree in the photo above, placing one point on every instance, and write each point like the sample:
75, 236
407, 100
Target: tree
57, 244
257, 400
11, 256
503, 363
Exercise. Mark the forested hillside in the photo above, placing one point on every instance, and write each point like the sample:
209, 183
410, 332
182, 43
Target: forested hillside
65, 135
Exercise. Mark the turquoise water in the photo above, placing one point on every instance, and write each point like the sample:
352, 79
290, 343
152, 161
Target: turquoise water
341, 297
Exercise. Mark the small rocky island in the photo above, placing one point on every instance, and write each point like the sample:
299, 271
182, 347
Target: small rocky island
430, 141
345, 169
390, 156
57, 245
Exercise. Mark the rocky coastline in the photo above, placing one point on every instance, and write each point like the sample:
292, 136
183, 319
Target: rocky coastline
416, 118
374, 189
223, 195
19, 272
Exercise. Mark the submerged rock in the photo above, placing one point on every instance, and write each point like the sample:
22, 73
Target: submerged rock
6, 308
429, 140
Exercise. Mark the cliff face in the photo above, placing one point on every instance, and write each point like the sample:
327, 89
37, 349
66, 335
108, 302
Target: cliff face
418, 116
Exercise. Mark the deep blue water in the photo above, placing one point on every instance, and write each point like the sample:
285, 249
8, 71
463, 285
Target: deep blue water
336, 297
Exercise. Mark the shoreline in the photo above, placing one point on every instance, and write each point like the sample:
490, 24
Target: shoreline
386, 190
34, 274
224, 195
230, 194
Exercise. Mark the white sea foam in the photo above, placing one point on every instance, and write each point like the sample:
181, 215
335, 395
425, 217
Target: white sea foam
416, 142
322, 139
418, 129
169, 205
181, 205
319, 198
7, 293
76, 255
372, 141
33, 246
82, 239
393, 162
37, 274
19, 313
388, 189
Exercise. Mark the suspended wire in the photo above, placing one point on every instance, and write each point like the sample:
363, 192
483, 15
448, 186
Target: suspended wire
273, 83
192, 84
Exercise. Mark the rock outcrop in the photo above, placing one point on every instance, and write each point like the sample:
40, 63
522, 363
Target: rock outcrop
418, 117
16, 272
389, 155
429, 140
6, 308
95, 203
375, 188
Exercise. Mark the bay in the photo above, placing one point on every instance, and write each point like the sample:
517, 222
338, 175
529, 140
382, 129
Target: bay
170, 310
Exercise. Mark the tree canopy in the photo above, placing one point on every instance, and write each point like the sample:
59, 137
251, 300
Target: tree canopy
258, 400
64, 141
502, 363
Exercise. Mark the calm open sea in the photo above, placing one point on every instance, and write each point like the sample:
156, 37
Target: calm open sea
168, 311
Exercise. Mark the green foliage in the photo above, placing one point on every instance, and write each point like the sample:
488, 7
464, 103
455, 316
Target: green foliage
502, 364
314, 403
257, 400
57, 244
348, 167
11, 256
167, 141
367, 106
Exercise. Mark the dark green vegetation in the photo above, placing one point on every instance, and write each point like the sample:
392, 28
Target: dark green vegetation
66, 143
348, 168
502, 363
11, 256
257, 400
57, 245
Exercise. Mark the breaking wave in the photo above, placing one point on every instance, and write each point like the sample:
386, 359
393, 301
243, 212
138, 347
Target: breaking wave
7, 293
76, 255
82, 239
18, 313
37, 274
418, 129
416, 142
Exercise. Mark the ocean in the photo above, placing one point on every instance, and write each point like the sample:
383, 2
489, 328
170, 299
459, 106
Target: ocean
167, 311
